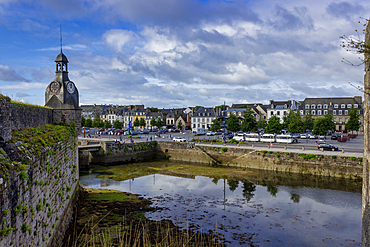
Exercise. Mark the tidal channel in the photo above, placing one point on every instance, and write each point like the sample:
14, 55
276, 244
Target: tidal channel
246, 207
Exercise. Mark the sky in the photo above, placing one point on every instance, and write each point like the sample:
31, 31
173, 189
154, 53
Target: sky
179, 53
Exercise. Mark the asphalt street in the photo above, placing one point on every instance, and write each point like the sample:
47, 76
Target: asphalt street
353, 147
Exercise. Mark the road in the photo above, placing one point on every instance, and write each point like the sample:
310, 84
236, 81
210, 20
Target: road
355, 146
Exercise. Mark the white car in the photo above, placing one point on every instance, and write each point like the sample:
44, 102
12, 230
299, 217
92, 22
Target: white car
179, 139
303, 136
210, 133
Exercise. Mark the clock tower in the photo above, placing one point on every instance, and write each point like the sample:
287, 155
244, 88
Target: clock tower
61, 93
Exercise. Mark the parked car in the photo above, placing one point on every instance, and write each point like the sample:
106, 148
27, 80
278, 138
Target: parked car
327, 146
303, 136
334, 137
162, 131
322, 137
210, 133
312, 136
229, 136
176, 130
135, 132
179, 139
145, 131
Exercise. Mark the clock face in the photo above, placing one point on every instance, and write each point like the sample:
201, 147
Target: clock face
54, 87
70, 87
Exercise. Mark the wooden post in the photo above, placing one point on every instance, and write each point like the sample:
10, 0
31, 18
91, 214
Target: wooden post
252, 145
302, 148
342, 150
285, 147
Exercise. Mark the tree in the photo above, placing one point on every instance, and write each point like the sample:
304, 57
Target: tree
307, 122
142, 122
137, 122
248, 189
159, 123
117, 124
274, 125
153, 122
293, 122
261, 124
233, 184
233, 123
215, 126
83, 121
249, 122
88, 123
97, 122
179, 125
354, 120
107, 124
322, 125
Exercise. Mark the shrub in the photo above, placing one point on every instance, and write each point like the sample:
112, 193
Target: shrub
277, 155
333, 157
360, 159
286, 153
264, 151
224, 150
270, 152
353, 158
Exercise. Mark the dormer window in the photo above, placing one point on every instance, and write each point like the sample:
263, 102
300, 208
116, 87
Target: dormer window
285, 106
336, 106
355, 105
342, 106
319, 107
313, 106
307, 106
313, 112
346, 112
349, 105
334, 112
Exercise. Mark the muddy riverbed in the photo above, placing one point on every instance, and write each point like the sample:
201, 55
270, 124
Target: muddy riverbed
245, 207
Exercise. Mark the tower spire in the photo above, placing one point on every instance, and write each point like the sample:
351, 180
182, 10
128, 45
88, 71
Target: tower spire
61, 43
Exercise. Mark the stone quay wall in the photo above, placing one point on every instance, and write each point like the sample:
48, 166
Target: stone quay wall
322, 165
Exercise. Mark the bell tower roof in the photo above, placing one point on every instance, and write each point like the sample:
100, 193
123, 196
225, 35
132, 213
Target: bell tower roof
61, 58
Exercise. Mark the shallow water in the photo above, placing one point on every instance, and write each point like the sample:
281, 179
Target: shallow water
247, 213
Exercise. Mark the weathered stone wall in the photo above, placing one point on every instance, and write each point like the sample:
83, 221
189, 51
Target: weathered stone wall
366, 182
37, 190
18, 116
323, 165
111, 152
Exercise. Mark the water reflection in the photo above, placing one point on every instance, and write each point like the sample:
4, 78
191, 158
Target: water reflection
247, 213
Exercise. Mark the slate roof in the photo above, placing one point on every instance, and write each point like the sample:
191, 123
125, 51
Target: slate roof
206, 111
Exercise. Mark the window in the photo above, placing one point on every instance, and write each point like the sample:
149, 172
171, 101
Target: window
319, 106
301, 111
349, 105
342, 106
340, 112
284, 112
240, 113
313, 112
340, 120
194, 125
307, 106
336, 106
346, 120
326, 106
319, 112
355, 106
278, 113
228, 114
334, 112
272, 113
346, 112
336, 120
325, 112
313, 106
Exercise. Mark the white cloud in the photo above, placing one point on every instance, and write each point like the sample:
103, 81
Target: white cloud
118, 38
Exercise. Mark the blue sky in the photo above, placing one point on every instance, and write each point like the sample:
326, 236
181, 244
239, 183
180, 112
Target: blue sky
175, 53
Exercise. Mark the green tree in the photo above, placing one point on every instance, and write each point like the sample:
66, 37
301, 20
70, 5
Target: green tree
159, 123
107, 124
117, 124
153, 122
222, 107
88, 122
293, 122
354, 120
274, 125
83, 119
307, 122
97, 122
320, 126
179, 125
215, 126
233, 123
142, 122
261, 124
249, 122
137, 122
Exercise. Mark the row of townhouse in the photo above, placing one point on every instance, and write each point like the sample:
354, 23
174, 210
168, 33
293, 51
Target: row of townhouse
202, 117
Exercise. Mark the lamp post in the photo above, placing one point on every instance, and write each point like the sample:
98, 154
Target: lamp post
224, 123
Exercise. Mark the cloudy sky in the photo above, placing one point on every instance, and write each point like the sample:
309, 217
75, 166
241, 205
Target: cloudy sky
174, 53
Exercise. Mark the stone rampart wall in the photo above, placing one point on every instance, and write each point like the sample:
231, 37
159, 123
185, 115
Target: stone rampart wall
37, 189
